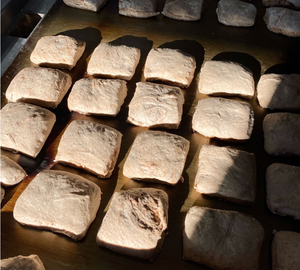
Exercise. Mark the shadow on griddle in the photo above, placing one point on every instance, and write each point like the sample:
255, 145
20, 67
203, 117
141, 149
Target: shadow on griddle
244, 59
142, 43
90, 35
284, 68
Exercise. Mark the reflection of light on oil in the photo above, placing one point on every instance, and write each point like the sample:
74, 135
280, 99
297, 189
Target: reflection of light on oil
9, 206
32, 237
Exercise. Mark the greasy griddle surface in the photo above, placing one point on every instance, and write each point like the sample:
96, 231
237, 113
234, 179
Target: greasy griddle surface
255, 47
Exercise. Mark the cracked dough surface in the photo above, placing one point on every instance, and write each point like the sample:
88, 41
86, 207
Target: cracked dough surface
135, 223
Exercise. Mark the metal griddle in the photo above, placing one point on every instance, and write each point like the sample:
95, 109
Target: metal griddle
255, 47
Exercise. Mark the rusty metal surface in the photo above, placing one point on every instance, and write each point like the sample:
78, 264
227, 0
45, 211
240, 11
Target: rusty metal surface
255, 47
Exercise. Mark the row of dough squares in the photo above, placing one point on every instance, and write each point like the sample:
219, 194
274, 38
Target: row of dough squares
214, 118
47, 87
279, 18
155, 156
137, 220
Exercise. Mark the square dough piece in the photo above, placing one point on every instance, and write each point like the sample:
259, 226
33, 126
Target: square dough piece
92, 5
279, 91
236, 13
40, 86
227, 173
138, 8
25, 127
32, 262
97, 96
157, 156
294, 4
224, 119
135, 223
91, 146
220, 78
283, 21
156, 105
59, 201
171, 66
114, 61
286, 251
281, 134
185, 10
283, 189
57, 52
222, 239
11, 172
